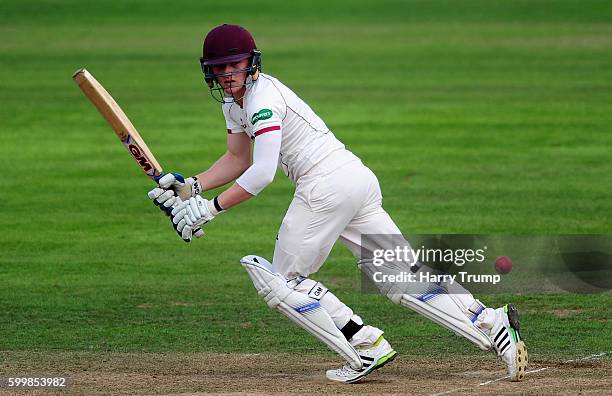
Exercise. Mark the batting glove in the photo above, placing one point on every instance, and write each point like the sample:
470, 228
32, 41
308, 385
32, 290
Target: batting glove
170, 188
192, 214
185, 188
173, 185
166, 196
164, 199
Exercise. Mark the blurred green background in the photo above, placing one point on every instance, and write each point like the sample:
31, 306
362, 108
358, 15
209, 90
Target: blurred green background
477, 117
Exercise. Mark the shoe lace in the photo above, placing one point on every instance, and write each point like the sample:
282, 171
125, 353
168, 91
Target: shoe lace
346, 370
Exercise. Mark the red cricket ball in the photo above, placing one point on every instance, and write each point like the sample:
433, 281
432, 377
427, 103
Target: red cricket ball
503, 264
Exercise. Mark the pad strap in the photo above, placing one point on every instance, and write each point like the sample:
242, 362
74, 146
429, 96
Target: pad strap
474, 310
350, 329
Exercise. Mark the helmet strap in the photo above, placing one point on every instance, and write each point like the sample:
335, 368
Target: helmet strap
255, 67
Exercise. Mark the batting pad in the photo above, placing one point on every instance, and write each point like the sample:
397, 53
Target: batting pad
448, 305
304, 311
444, 310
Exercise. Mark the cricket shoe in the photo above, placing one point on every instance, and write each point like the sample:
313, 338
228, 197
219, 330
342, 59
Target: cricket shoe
372, 358
506, 339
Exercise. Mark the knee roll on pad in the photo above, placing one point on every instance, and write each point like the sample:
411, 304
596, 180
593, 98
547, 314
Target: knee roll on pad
303, 310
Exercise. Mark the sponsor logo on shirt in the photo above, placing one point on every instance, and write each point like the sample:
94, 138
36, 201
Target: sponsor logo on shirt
262, 114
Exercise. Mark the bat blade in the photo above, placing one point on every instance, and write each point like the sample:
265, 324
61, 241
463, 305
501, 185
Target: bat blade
121, 124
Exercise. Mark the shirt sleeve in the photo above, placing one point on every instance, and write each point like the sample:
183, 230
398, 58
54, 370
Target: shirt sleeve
232, 125
265, 161
266, 112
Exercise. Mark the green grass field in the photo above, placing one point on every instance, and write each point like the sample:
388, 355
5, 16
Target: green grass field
477, 117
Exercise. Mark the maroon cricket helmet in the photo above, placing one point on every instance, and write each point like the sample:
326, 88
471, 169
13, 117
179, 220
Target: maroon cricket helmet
227, 44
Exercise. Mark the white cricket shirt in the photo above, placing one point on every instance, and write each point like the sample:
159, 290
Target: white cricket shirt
271, 107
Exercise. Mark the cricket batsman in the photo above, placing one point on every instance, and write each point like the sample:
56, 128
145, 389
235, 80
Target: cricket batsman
336, 197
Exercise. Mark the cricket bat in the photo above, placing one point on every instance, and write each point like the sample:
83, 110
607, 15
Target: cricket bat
121, 124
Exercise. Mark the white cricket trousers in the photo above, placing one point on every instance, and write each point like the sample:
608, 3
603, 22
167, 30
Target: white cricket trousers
337, 199
340, 200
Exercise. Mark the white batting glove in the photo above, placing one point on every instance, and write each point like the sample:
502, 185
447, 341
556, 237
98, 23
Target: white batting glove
167, 200
173, 185
170, 187
192, 214
185, 188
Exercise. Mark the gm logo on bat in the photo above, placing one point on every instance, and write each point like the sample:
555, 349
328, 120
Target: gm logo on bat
141, 159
